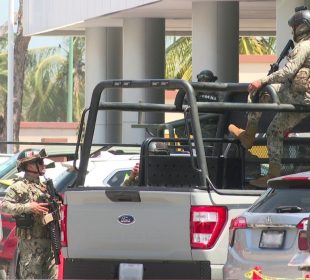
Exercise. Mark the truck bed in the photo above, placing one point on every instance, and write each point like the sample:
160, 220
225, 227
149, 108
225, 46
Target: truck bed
146, 225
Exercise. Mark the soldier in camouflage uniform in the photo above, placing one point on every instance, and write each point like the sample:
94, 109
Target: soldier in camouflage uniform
292, 86
22, 200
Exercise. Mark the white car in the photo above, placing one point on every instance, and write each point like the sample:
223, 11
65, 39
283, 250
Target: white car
265, 237
109, 170
106, 169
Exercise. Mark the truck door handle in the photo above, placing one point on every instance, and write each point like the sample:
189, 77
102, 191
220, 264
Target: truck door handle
123, 196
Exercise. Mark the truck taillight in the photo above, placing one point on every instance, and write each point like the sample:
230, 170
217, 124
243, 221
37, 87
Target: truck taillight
63, 224
206, 225
236, 223
302, 236
303, 224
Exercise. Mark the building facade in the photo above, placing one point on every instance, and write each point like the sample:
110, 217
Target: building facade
125, 39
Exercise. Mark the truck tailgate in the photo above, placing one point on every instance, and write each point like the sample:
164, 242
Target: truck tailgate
104, 224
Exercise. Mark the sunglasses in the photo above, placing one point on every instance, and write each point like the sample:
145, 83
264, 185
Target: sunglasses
40, 161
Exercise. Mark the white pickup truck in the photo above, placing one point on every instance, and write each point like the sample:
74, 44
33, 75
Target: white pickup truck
175, 223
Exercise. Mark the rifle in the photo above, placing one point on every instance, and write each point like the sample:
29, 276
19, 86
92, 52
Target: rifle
52, 219
275, 66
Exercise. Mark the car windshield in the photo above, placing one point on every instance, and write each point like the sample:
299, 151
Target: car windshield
62, 177
273, 199
8, 165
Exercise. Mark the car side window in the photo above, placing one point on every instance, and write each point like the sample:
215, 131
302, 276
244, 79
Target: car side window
118, 178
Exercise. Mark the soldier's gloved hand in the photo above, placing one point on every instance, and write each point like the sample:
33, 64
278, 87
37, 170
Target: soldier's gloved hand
135, 171
254, 87
39, 208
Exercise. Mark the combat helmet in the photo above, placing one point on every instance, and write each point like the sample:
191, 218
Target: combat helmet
300, 22
206, 76
28, 156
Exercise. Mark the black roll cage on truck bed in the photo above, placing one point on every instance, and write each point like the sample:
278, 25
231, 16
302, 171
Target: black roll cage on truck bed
192, 110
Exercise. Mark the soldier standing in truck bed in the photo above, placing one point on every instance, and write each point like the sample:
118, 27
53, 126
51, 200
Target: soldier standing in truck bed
208, 125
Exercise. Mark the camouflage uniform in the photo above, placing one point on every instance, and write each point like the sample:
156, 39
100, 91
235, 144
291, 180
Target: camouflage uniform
283, 83
36, 256
128, 182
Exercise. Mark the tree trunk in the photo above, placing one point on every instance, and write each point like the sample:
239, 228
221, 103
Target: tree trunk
20, 56
20, 53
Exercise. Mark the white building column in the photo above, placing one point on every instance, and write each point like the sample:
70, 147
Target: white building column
215, 35
284, 10
104, 61
143, 58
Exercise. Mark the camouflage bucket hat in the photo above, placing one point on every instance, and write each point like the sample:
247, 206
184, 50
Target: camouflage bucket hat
29, 156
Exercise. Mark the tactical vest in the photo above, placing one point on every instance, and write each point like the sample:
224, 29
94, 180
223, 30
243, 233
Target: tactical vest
30, 224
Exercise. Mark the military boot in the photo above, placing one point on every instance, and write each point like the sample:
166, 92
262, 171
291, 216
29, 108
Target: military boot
246, 136
274, 171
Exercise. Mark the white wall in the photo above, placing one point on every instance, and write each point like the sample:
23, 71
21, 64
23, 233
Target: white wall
43, 15
253, 67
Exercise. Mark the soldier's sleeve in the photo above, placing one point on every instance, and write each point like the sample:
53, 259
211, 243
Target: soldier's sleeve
130, 181
296, 59
14, 200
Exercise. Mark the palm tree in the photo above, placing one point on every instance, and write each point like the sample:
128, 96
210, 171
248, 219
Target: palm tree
179, 53
3, 80
179, 59
257, 45
45, 83
47, 91
34, 58
79, 76
47, 86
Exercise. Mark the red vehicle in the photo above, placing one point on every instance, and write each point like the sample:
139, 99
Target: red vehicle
8, 244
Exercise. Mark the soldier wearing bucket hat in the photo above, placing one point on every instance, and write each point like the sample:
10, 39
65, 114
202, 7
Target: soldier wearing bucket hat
23, 200
31, 156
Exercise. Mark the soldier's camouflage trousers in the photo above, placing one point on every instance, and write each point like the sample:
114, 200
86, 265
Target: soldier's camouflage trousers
36, 260
282, 122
